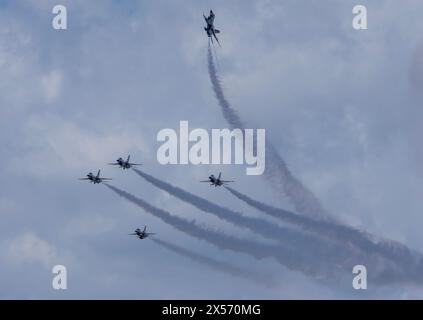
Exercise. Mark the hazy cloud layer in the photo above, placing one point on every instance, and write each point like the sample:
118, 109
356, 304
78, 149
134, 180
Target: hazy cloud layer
342, 107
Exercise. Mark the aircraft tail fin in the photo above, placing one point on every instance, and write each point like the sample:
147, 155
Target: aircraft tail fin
129, 156
145, 229
98, 173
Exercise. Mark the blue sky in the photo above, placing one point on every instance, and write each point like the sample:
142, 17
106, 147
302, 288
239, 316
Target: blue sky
343, 108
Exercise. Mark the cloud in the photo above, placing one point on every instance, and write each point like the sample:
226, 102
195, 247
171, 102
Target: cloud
29, 248
94, 225
71, 147
52, 85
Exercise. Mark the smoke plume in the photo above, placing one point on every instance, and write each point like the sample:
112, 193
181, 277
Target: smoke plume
312, 245
379, 271
277, 171
398, 253
288, 257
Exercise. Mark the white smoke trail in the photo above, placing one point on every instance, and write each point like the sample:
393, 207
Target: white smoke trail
303, 242
288, 257
410, 261
380, 272
277, 172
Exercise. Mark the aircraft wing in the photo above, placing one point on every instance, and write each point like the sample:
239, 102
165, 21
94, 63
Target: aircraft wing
106, 179
205, 181
132, 234
113, 164
226, 181
214, 35
135, 164
84, 179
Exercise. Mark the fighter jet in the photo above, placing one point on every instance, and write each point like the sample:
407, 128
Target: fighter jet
211, 31
217, 182
124, 164
141, 234
94, 179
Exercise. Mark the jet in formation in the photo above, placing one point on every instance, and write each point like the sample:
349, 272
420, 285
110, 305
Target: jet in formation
124, 164
142, 234
217, 182
95, 179
210, 29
